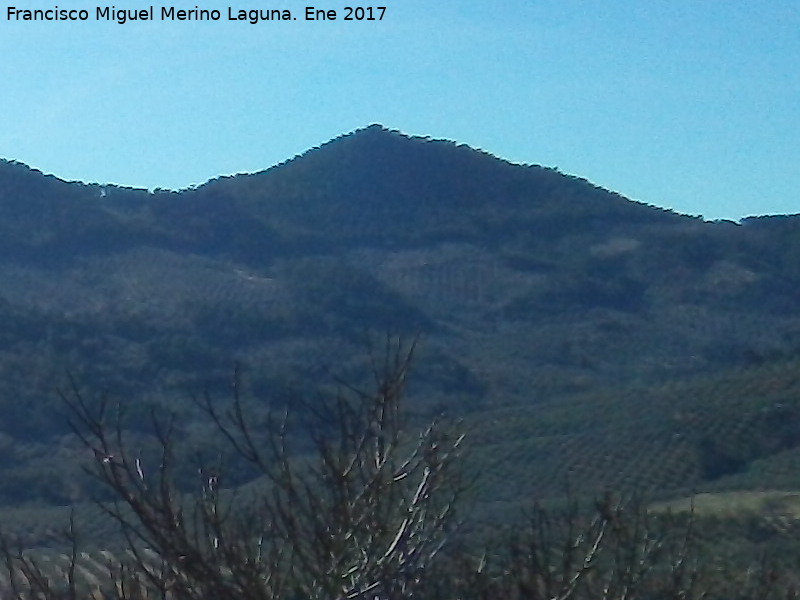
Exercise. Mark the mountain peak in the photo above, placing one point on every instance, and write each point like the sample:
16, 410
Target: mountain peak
374, 127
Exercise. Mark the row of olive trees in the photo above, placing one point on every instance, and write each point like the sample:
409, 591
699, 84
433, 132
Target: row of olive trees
370, 515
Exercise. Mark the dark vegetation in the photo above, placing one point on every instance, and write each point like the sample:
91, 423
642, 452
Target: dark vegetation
578, 335
372, 510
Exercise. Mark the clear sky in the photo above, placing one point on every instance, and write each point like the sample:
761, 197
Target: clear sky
688, 104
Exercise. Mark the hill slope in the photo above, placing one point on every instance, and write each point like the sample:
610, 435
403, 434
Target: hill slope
532, 289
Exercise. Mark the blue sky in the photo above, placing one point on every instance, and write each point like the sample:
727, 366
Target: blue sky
693, 105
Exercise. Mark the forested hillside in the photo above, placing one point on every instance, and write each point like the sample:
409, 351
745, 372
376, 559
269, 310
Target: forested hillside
585, 332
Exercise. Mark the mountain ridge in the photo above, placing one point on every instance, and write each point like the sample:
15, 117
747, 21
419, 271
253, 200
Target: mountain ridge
530, 287
374, 131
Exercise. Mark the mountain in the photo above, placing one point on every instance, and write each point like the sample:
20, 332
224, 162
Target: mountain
540, 297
